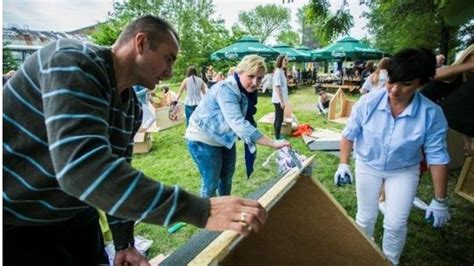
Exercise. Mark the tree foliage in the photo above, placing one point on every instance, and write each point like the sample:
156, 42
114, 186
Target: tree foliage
199, 35
9, 63
265, 20
289, 37
411, 23
326, 25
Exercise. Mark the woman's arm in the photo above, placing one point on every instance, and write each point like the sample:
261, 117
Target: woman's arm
181, 88
266, 141
203, 88
439, 176
448, 73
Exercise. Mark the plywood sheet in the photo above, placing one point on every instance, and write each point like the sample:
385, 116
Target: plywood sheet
306, 226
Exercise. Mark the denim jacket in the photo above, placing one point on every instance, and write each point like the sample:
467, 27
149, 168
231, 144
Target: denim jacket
221, 115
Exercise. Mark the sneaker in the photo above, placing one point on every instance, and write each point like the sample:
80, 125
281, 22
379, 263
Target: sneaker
417, 202
382, 207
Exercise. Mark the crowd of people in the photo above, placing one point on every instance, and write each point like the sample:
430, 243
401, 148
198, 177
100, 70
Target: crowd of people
71, 114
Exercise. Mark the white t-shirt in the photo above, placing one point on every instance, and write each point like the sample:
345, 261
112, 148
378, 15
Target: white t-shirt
369, 86
193, 90
279, 79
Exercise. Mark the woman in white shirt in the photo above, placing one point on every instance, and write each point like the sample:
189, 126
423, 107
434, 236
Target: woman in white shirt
279, 93
377, 79
195, 88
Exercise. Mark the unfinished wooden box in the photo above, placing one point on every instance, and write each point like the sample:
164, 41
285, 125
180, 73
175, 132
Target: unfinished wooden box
142, 142
465, 184
340, 108
305, 226
162, 115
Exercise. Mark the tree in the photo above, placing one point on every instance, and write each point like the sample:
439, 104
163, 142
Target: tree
265, 20
199, 35
9, 63
412, 23
289, 37
328, 26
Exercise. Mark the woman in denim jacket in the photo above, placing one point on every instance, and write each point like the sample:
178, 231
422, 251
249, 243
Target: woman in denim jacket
219, 120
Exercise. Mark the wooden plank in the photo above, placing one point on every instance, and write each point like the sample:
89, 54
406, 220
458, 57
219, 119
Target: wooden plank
465, 184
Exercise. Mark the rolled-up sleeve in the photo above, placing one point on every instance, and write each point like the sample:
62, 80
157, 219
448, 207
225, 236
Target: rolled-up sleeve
353, 126
435, 147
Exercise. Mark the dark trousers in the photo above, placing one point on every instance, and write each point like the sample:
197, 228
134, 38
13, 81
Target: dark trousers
77, 241
278, 120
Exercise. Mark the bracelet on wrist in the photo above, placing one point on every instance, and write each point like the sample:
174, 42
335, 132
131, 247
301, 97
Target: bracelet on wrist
441, 200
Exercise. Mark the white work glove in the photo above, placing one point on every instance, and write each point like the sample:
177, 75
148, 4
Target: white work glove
438, 211
343, 175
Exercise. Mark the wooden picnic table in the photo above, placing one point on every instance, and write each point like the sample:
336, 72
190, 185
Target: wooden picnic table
349, 88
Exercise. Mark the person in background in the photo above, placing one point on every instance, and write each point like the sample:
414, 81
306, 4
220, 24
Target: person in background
368, 69
143, 95
453, 90
231, 71
440, 59
69, 119
195, 88
169, 95
209, 76
378, 79
388, 130
279, 93
267, 81
218, 77
323, 102
217, 123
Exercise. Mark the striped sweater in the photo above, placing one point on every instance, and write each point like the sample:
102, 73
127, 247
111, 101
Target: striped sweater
67, 145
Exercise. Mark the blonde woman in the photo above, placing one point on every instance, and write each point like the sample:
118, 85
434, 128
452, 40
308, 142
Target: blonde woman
194, 87
217, 123
378, 79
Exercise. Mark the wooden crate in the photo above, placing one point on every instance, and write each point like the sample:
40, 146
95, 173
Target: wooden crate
340, 108
305, 226
465, 184
142, 142
163, 120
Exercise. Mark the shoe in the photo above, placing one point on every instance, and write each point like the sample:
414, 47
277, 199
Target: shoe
382, 207
417, 202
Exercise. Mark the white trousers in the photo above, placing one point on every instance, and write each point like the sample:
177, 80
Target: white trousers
400, 190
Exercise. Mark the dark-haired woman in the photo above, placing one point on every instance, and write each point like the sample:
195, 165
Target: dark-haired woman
195, 88
279, 93
390, 128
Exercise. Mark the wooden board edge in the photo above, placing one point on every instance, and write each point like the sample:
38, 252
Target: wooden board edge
462, 176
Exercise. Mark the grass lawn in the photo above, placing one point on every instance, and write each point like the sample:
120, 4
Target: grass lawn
170, 162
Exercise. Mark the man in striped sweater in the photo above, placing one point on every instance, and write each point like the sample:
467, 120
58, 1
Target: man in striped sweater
69, 118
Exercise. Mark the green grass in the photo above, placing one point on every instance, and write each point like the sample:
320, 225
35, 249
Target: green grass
170, 162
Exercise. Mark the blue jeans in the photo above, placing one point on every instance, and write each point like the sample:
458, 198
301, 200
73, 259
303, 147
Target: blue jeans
188, 111
216, 166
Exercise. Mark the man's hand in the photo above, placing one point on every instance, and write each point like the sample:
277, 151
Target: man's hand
130, 256
343, 175
439, 212
240, 215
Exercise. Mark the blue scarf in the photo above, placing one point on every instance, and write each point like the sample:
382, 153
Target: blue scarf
251, 110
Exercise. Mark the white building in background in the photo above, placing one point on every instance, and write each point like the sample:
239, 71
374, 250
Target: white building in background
24, 42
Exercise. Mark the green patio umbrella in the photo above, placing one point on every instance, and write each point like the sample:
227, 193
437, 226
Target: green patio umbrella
291, 54
348, 48
245, 46
304, 50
